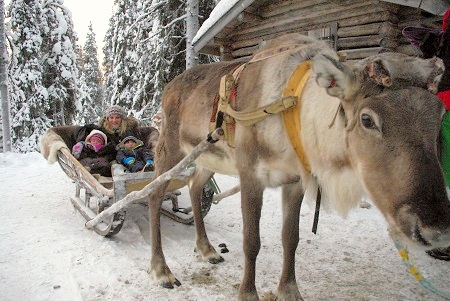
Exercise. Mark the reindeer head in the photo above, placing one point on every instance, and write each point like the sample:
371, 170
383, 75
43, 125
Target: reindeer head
392, 124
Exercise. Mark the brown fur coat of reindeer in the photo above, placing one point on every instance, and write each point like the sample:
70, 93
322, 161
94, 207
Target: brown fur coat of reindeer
366, 130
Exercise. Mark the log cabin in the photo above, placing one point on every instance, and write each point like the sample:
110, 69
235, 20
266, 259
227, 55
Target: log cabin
355, 28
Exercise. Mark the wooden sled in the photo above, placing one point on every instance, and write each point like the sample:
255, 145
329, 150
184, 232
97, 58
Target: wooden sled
95, 193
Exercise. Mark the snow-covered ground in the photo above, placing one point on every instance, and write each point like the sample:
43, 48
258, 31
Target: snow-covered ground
46, 253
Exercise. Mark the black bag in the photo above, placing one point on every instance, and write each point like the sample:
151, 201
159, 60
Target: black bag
428, 40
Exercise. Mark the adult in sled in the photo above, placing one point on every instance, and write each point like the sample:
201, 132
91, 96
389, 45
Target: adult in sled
93, 153
134, 155
116, 124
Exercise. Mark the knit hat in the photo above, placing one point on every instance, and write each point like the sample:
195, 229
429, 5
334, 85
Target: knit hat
121, 145
115, 110
97, 133
131, 138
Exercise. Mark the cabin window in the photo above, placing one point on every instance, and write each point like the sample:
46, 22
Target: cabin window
328, 34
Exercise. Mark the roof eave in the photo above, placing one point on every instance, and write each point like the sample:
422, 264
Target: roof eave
219, 24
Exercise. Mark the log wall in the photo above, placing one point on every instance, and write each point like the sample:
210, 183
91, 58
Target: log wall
360, 27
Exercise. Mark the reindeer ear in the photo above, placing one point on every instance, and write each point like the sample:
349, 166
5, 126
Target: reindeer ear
334, 76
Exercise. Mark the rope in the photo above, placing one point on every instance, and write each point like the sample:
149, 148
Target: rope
416, 273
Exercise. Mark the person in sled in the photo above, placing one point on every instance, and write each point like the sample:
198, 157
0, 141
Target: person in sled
93, 154
114, 123
134, 155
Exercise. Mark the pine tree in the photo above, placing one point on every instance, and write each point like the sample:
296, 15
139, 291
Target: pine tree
147, 42
91, 82
59, 61
122, 76
29, 97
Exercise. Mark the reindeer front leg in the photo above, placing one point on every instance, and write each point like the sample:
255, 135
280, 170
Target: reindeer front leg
251, 204
159, 270
292, 201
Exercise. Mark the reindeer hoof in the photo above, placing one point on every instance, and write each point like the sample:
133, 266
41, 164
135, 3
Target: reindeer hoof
169, 285
216, 260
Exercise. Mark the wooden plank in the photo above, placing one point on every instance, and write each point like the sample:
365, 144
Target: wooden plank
245, 51
358, 42
245, 43
308, 16
362, 53
379, 15
283, 7
384, 29
360, 30
246, 17
305, 23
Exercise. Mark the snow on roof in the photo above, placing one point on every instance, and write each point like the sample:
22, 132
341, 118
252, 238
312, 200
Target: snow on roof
222, 14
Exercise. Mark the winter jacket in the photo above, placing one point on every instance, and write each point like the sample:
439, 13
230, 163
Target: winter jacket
140, 153
96, 162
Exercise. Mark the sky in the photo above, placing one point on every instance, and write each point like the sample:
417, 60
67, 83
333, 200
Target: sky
46, 253
96, 11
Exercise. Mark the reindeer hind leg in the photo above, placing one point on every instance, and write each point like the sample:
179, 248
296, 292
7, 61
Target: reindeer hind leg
203, 246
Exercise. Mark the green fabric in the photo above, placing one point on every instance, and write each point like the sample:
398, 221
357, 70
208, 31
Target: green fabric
445, 151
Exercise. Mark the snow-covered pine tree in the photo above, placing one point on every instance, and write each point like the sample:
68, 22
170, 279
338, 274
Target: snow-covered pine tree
59, 61
154, 54
91, 82
29, 98
122, 78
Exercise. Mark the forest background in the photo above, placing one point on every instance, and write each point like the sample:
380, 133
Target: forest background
54, 81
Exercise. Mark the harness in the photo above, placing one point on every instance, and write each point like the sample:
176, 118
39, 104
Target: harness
225, 116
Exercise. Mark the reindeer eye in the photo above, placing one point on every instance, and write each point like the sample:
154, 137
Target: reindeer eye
367, 121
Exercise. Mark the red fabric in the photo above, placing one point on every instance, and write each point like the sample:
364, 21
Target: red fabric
444, 96
444, 20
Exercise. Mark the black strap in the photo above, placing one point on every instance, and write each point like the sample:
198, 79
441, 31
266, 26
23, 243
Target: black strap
316, 212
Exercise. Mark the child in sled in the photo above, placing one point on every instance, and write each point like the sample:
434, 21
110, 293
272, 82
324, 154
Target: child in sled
93, 154
134, 155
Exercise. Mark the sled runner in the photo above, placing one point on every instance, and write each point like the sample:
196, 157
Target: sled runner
94, 193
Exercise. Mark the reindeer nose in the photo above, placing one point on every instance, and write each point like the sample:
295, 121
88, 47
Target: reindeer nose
424, 226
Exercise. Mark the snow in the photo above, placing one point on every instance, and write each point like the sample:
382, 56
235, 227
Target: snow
219, 12
46, 253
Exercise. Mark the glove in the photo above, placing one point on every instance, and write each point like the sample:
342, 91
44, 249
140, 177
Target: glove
150, 162
128, 160
77, 148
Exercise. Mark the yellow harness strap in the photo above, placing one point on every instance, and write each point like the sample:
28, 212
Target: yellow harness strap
248, 118
291, 117
289, 105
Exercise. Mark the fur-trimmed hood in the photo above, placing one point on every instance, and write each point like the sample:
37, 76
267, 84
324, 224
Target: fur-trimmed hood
94, 132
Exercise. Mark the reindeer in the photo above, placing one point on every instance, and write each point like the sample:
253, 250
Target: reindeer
364, 130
